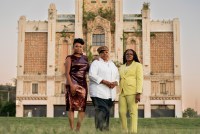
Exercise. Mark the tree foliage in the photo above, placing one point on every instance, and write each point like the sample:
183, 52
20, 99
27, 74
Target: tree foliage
189, 112
7, 100
8, 109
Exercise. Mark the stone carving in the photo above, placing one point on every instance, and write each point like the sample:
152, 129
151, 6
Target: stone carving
51, 16
31, 98
165, 98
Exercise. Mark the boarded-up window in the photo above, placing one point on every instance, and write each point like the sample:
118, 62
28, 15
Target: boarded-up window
35, 88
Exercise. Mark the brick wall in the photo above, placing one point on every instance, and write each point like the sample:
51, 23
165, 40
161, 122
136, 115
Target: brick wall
162, 53
35, 53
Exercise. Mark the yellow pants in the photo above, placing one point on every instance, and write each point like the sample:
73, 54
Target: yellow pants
127, 103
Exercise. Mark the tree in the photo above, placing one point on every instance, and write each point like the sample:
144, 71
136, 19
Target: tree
189, 112
8, 109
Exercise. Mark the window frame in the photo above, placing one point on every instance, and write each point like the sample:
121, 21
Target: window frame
163, 88
62, 91
34, 89
99, 37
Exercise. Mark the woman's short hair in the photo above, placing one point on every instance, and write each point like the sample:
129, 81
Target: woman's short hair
78, 40
135, 57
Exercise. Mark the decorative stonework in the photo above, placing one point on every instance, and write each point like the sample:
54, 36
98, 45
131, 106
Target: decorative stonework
93, 25
33, 78
52, 9
170, 77
89, 6
133, 41
165, 98
60, 78
50, 77
31, 98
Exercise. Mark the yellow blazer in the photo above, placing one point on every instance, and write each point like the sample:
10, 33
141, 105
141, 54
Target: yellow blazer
131, 78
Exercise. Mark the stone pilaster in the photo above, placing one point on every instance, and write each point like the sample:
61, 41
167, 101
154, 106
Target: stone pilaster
50, 108
20, 63
119, 30
19, 109
20, 53
146, 40
176, 34
21, 44
78, 18
52, 13
178, 109
146, 60
177, 64
146, 99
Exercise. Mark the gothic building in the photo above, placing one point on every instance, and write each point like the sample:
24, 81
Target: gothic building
43, 46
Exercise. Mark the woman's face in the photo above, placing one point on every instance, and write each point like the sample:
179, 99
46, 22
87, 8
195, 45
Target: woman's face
104, 55
129, 55
78, 48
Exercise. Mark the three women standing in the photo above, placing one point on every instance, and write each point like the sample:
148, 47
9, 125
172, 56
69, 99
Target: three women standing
104, 77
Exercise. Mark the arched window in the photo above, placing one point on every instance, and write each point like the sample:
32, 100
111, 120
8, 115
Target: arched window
98, 37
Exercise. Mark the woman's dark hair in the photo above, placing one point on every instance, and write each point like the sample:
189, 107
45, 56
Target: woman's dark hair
78, 40
135, 57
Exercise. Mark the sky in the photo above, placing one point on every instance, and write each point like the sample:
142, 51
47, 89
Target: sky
186, 10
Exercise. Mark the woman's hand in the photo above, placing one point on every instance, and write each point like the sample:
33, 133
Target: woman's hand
137, 98
113, 84
107, 83
73, 89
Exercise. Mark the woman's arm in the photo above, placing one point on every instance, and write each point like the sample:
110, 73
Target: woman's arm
139, 78
67, 74
93, 74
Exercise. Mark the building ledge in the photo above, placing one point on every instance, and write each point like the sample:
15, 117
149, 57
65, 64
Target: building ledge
165, 97
31, 98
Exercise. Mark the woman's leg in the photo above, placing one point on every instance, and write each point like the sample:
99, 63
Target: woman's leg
133, 111
94, 101
107, 119
101, 110
81, 115
123, 112
71, 119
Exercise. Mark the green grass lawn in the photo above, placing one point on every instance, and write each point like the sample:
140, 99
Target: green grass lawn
13, 125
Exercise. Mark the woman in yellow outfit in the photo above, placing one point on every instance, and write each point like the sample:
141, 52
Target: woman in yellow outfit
131, 81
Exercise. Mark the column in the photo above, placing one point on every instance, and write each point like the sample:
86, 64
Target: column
146, 59
20, 63
118, 30
146, 40
20, 54
177, 65
52, 13
78, 18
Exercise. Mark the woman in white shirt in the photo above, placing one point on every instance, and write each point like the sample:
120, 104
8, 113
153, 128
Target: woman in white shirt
104, 77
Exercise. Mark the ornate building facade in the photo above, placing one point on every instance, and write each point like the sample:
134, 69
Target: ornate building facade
43, 46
